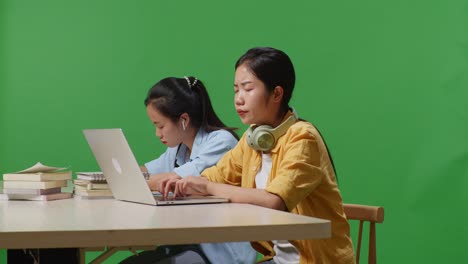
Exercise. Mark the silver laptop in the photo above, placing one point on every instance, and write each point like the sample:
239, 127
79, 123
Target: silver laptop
125, 179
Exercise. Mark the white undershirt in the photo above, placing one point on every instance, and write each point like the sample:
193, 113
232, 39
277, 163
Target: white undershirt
285, 252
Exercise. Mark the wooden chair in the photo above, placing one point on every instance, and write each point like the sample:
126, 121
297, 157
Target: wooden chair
365, 213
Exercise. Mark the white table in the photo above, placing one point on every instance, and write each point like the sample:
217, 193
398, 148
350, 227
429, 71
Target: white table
74, 223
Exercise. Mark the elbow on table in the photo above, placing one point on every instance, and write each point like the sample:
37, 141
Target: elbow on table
276, 202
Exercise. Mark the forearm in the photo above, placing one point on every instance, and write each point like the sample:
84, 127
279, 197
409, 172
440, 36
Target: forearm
236, 194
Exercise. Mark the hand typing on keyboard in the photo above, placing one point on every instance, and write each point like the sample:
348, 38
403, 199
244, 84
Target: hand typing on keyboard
191, 185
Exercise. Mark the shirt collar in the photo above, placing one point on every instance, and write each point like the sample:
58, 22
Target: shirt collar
200, 137
276, 147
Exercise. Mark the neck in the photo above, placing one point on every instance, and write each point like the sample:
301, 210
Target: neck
189, 138
279, 118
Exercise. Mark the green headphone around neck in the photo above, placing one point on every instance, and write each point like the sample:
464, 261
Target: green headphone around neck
264, 137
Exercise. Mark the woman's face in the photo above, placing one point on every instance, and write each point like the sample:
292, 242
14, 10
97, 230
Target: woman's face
169, 132
252, 99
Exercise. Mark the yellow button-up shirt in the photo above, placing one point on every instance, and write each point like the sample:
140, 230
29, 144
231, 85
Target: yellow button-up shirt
302, 175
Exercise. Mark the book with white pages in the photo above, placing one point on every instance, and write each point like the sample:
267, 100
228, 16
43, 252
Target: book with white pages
32, 191
39, 172
105, 193
38, 176
33, 184
39, 167
90, 185
35, 197
95, 176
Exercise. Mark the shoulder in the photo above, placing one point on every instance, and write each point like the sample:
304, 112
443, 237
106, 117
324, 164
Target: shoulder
172, 151
303, 132
220, 136
303, 129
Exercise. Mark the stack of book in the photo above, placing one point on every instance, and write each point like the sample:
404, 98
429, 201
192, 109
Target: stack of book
91, 185
37, 183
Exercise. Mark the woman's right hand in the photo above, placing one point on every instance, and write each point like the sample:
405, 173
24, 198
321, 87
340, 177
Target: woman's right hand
191, 185
167, 185
155, 180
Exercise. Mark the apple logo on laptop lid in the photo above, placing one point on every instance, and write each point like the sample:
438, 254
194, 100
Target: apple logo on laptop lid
117, 165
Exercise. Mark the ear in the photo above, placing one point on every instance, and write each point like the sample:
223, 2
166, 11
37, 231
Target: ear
278, 93
186, 118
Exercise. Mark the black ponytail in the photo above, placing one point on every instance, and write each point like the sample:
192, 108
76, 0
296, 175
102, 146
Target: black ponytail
175, 96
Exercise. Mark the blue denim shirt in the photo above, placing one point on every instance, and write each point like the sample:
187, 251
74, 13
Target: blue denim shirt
207, 149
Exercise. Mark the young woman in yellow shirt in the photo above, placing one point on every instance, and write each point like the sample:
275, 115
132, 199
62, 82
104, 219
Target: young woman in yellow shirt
281, 162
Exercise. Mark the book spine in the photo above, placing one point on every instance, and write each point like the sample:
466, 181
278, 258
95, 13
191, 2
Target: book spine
92, 177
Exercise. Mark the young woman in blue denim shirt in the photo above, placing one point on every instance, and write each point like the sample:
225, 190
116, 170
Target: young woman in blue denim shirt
186, 123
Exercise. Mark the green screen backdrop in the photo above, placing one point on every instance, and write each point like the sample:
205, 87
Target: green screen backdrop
385, 81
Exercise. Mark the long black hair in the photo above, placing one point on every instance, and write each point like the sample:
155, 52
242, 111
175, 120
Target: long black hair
174, 96
274, 68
